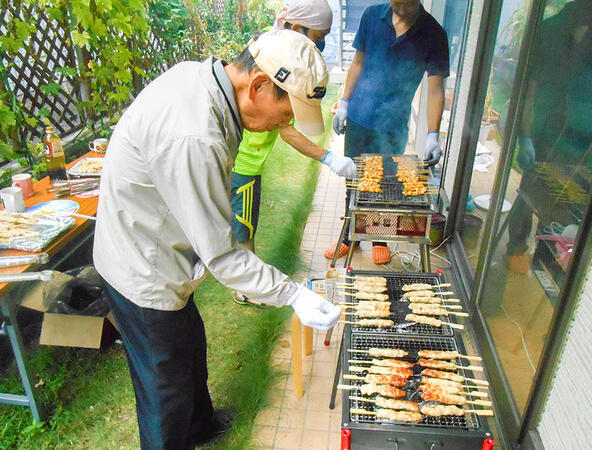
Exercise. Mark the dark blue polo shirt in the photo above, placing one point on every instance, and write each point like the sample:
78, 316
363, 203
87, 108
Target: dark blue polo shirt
394, 67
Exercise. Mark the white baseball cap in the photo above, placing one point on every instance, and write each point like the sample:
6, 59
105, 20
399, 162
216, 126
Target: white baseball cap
293, 62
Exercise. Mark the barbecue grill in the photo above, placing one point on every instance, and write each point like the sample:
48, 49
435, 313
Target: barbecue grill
368, 432
389, 215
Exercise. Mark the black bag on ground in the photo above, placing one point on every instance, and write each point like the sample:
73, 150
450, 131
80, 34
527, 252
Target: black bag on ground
82, 295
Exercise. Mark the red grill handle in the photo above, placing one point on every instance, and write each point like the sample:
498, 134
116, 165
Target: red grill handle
346, 439
488, 444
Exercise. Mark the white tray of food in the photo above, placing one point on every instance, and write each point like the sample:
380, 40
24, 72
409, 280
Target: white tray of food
87, 167
30, 232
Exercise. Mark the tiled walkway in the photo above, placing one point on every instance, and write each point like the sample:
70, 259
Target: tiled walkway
308, 423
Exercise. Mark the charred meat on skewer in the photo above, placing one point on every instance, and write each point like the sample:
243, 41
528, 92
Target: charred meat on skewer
441, 410
436, 364
381, 389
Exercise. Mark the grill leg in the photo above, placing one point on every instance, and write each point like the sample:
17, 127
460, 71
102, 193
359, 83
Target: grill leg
424, 253
340, 241
337, 373
350, 254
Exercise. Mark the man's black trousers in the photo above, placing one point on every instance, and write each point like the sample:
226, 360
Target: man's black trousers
166, 353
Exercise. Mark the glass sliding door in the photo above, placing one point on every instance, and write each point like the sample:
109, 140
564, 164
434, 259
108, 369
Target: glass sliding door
549, 185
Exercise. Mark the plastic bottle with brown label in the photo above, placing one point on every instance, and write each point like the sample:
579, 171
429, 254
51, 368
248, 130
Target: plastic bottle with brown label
54, 156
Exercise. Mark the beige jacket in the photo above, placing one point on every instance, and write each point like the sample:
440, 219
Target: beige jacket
164, 209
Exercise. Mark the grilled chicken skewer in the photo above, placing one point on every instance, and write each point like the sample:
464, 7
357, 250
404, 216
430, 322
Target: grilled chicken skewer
450, 389
446, 384
451, 410
423, 286
370, 296
386, 352
382, 307
384, 362
389, 414
431, 321
393, 380
429, 310
441, 364
442, 354
365, 304
389, 403
370, 313
382, 370
426, 293
364, 287
451, 399
442, 302
365, 279
381, 389
380, 323
451, 376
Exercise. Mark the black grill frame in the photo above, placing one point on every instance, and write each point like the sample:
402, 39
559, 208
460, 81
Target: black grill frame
467, 432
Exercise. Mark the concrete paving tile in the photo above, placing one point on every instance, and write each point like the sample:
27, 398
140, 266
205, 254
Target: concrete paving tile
291, 418
315, 440
268, 417
320, 385
317, 420
292, 402
288, 439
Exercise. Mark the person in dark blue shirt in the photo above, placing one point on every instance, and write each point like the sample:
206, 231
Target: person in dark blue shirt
396, 44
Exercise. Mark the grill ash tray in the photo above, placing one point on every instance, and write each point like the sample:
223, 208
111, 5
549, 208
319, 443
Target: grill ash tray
400, 308
362, 341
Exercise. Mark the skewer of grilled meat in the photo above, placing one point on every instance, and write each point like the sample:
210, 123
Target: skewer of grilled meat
389, 403
381, 389
369, 279
451, 376
423, 286
374, 313
444, 354
370, 296
450, 389
364, 287
400, 371
431, 321
447, 383
384, 352
379, 323
382, 307
441, 364
393, 380
433, 310
384, 362
451, 410
451, 399
389, 414
426, 293
365, 304
434, 300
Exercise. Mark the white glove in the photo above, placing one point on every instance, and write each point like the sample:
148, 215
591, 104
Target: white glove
340, 116
313, 310
433, 152
341, 165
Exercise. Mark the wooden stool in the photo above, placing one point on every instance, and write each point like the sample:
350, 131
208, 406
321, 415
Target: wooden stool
301, 337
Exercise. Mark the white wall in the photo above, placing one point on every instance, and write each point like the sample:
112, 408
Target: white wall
567, 420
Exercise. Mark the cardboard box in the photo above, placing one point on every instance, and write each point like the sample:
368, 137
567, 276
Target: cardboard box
69, 330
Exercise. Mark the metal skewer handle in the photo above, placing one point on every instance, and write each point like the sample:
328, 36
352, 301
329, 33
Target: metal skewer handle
10, 261
44, 275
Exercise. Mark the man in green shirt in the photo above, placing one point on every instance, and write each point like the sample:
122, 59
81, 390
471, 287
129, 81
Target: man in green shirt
313, 19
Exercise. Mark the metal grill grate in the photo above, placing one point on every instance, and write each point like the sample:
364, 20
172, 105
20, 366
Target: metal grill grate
392, 189
412, 345
399, 308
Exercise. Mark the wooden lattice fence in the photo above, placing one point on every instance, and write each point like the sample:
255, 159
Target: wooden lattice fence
39, 67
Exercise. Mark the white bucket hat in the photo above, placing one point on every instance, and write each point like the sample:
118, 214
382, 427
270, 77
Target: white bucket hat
294, 63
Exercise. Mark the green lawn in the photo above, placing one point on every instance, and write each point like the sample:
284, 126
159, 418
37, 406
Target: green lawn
91, 392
